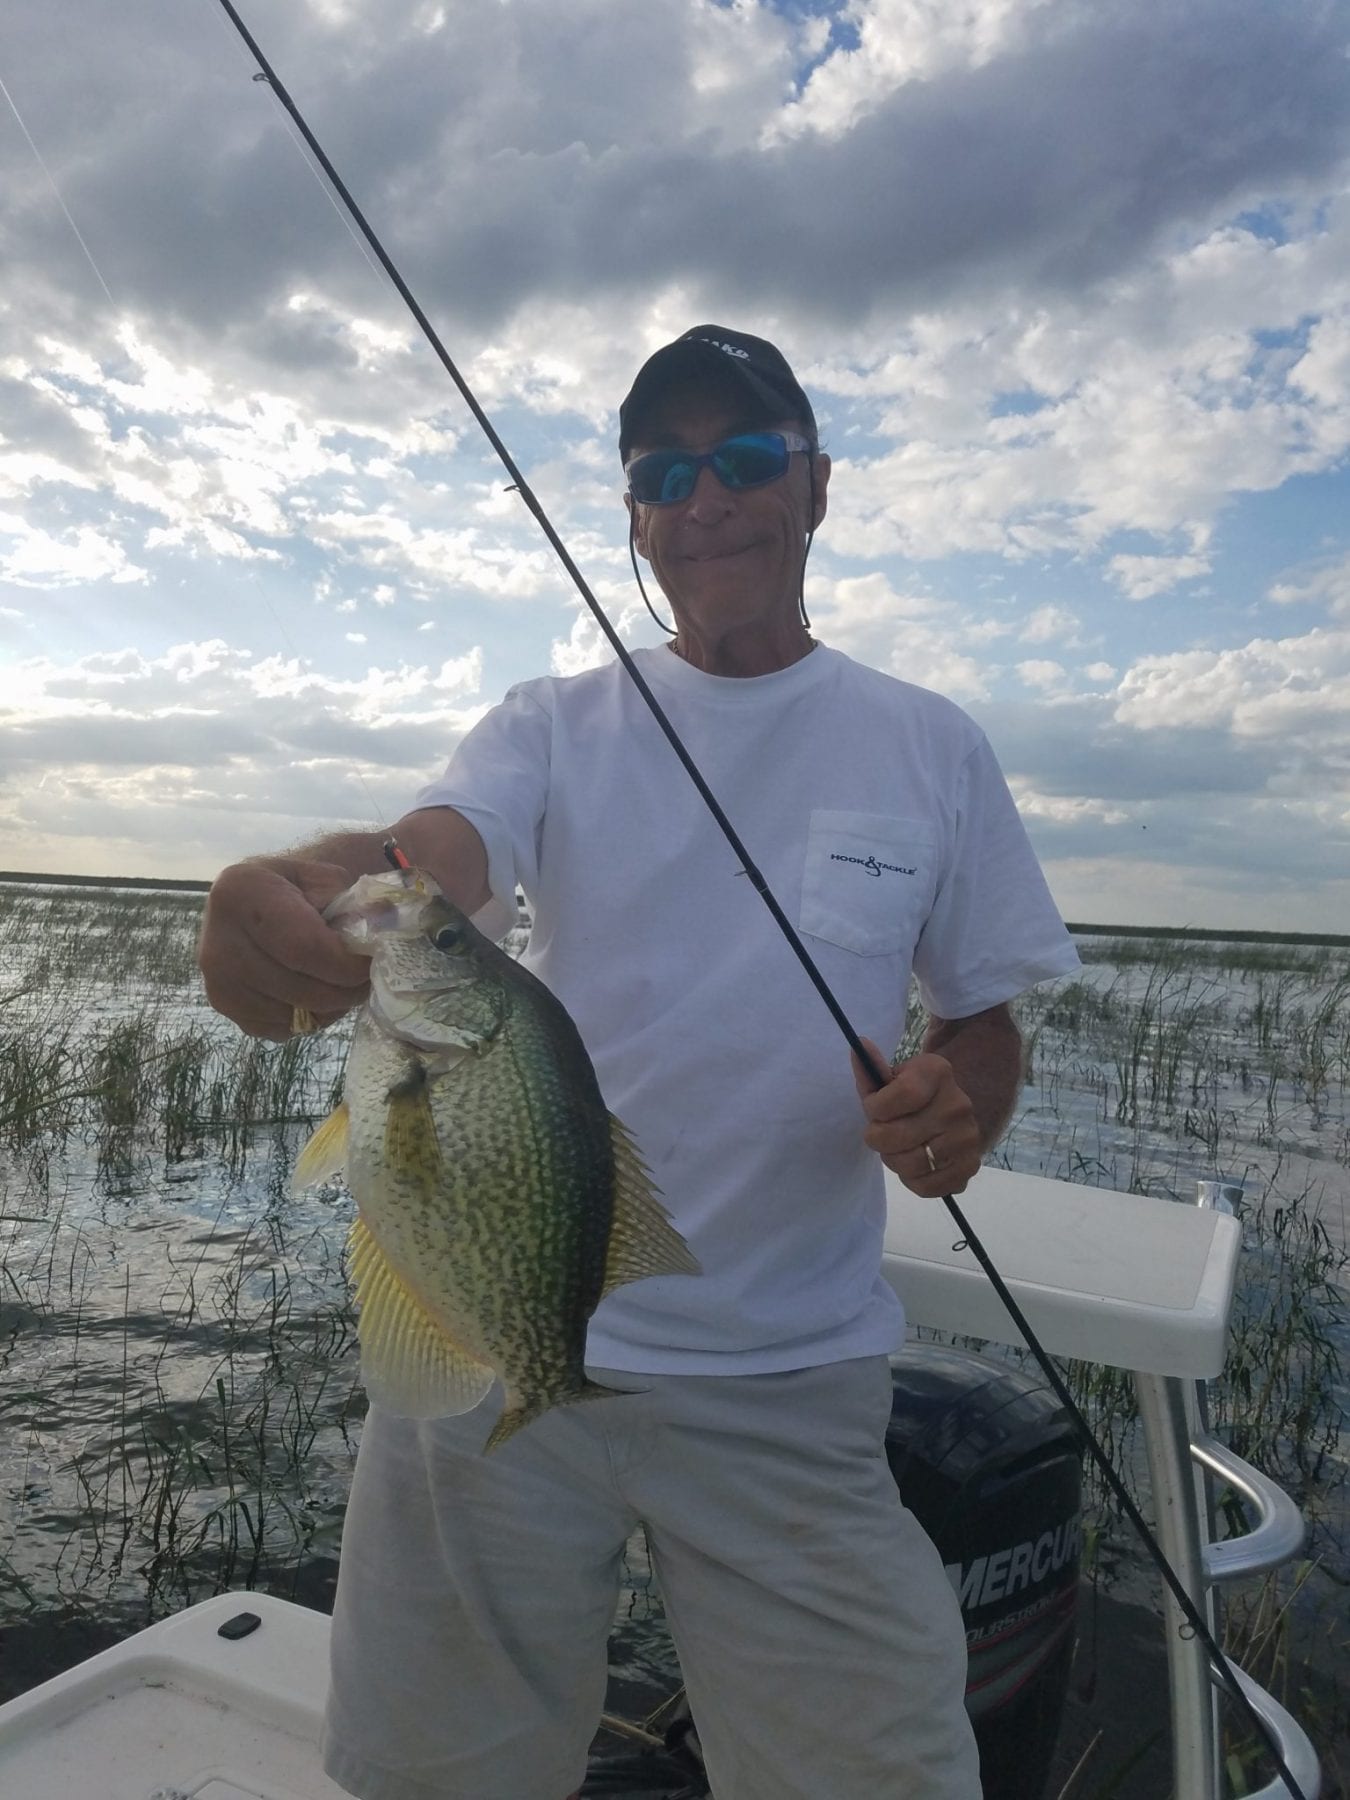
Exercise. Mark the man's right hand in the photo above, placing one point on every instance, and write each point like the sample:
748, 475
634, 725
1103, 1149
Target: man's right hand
265, 949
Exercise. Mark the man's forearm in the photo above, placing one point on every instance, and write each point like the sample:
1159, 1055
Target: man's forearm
436, 839
357, 852
985, 1052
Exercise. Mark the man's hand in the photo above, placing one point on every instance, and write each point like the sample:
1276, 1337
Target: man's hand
265, 949
922, 1124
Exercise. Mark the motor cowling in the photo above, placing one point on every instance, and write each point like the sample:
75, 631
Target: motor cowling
986, 1458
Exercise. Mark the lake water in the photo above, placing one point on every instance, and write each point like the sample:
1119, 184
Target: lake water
179, 1408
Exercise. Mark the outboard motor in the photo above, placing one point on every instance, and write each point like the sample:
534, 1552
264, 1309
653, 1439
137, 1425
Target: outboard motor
985, 1457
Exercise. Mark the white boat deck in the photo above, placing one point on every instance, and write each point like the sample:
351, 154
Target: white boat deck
180, 1713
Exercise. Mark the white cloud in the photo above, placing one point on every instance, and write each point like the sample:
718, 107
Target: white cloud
1043, 673
1143, 407
1121, 890
194, 750
1141, 577
1296, 690
1327, 585
1051, 624
903, 41
1065, 809
1323, 372
586, 646
1066, 281
914, 636
33, 558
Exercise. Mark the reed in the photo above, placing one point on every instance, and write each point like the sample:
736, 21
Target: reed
180, 1398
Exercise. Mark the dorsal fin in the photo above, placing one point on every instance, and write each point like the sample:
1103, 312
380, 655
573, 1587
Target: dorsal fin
642, 1240
409, 1363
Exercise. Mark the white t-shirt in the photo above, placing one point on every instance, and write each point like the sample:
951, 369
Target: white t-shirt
884, 828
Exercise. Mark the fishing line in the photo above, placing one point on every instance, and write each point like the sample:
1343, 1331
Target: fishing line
302, 151
259, 589
51, 180
1193, 1617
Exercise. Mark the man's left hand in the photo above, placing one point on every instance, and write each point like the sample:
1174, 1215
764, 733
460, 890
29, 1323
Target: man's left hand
921, 1124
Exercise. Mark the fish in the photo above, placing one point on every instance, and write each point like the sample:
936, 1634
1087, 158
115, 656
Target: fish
497, 1199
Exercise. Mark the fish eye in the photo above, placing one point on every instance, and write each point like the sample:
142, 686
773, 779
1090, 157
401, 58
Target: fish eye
450, 937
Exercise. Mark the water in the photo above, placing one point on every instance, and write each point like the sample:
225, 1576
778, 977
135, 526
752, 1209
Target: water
179, 1409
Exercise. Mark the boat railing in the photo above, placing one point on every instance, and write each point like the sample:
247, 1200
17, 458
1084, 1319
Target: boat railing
1175, 1417
1147, 1286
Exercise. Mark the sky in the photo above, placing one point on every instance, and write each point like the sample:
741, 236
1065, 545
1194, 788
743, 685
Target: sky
1068, 282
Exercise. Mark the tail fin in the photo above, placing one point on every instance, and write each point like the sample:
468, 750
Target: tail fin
516, 1418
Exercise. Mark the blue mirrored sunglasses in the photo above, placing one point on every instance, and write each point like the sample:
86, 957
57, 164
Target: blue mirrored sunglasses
751, 459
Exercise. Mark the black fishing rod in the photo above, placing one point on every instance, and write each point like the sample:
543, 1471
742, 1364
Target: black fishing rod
876, 1073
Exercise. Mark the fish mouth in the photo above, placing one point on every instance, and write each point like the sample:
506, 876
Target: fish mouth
376, 905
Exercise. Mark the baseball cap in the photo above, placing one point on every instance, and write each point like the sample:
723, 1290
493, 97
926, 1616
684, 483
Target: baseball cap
753, 364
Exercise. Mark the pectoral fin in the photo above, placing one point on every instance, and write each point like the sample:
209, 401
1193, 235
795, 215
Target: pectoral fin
409, 1364
324, 1157
642, 1240
411, 1146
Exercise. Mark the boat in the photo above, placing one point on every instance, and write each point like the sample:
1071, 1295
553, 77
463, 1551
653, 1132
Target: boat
223, 1701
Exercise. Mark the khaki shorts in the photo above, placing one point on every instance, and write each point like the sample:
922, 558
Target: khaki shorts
819, 1637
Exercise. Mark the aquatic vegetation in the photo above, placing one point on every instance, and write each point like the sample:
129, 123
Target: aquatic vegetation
178, 1405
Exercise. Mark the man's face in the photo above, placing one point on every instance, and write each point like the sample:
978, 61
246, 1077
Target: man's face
726, 560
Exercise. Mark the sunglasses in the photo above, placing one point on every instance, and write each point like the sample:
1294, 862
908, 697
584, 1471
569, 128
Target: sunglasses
749, 460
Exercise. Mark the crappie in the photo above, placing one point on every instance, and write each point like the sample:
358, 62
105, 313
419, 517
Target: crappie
497, 1199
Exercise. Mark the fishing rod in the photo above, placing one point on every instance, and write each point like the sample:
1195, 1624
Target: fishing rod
878, 1076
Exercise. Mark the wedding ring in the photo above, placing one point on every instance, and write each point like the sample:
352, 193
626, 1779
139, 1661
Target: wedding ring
932, 1160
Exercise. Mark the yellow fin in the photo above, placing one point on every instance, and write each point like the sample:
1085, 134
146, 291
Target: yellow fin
411, 1147
325, 1155
409, 1364
642, 1240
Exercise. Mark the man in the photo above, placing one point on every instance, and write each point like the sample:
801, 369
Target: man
820, 1641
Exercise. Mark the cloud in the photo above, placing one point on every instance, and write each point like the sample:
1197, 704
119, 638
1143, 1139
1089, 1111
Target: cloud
1081, 747
1327, 584
612, 150
33, 558
1043, 673
905, 41
1141, 577
914, 636
146, 749
1323, 371
1066, 279
1051, 624
1294, 692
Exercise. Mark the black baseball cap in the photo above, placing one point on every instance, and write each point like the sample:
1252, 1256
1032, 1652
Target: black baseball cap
753, 364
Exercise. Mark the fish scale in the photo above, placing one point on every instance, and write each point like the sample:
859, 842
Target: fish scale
497, 1199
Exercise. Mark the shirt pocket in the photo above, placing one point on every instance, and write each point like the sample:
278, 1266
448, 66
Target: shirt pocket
869, 881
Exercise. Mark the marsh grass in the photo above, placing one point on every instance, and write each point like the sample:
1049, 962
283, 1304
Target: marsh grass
178, 1393
1295, 1644
168, 1431
151, 1080
1159, 950
216, 1458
